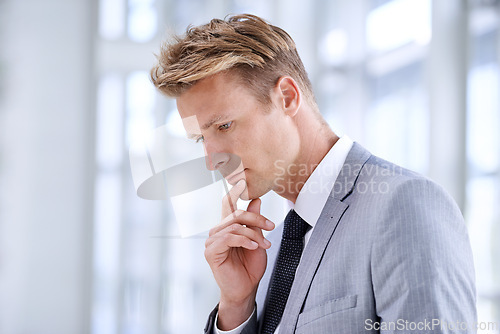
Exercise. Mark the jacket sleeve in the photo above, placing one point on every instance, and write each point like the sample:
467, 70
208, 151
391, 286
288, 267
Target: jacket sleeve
421, 263
250, 328
210, 325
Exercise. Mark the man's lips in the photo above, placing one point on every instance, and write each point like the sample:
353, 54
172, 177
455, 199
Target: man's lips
232, 179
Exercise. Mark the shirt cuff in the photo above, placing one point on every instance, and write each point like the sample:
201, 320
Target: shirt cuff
237, 330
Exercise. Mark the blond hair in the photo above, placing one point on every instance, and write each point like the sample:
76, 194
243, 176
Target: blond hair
258, 52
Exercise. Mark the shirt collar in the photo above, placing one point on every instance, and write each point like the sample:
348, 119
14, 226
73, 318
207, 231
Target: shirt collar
315, 192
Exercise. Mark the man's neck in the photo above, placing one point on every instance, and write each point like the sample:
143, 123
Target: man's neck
315, 146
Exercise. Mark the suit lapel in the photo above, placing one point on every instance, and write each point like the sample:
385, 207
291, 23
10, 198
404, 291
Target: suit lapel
325, 227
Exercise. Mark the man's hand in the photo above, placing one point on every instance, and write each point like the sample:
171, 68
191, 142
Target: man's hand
236, 253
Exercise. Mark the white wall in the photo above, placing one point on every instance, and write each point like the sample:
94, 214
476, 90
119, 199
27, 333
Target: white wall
46, 161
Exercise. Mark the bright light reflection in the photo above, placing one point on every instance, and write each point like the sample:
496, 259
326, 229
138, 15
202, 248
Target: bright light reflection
484, 118
106, 253
111, 18
109, 148
142, 20
397, 23
333, 47
140, 103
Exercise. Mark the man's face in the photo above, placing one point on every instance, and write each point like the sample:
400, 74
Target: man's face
242, 138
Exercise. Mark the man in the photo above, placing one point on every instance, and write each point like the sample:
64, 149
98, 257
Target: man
368, 246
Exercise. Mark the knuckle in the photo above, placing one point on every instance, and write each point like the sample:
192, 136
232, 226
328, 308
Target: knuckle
256, 218
235, 227
207, 254
226, 238
262, 220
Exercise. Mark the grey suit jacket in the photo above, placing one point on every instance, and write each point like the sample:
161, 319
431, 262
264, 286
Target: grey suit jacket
389, 254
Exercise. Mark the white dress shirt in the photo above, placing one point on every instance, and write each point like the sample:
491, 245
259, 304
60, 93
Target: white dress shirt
312, 198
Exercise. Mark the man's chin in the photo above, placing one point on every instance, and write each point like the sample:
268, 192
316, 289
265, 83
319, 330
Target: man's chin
245, 196
251, 194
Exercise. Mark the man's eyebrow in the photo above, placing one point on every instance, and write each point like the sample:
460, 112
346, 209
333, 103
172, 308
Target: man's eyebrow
213, 120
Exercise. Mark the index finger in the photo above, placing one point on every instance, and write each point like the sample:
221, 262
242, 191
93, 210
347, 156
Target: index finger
229, 201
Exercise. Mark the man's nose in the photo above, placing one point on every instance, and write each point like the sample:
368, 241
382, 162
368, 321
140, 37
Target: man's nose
216, 160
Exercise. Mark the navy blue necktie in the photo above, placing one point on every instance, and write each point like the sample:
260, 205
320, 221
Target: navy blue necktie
292, 244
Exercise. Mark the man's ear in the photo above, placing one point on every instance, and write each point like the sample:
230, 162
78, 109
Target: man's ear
290, 96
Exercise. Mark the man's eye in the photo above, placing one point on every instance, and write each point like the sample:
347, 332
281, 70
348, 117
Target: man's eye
200, 139
225, 126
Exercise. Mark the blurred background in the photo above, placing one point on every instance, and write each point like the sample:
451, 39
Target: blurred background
417, 82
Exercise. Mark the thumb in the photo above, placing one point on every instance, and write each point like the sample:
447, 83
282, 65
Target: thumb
254, 206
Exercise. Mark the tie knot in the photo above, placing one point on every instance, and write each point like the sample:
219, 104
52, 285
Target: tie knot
294, 226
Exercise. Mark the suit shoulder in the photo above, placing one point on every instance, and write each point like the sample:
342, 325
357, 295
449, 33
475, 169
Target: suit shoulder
398, 179
394, 190
376, 166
